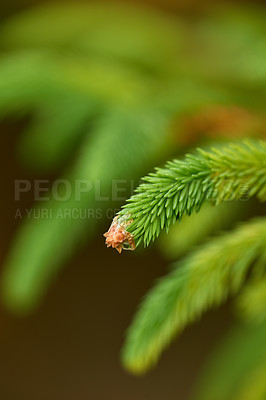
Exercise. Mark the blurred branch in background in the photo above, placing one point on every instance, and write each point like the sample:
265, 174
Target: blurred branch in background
202, 280
236, 370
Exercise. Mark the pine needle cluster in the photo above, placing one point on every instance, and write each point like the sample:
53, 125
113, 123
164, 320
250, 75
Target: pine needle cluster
221, 174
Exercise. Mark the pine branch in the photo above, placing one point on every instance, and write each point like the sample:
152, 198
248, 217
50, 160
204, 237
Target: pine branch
90, 28
203, 280
184, 186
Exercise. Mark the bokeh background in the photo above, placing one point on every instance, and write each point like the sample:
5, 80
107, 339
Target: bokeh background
144, 82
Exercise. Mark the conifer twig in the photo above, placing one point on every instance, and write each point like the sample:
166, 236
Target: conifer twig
202, 280
221, 174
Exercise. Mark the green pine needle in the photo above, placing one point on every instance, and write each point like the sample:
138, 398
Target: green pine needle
202, 280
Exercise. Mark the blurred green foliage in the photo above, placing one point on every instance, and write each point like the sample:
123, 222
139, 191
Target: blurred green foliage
236, 369
107, 90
